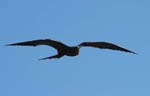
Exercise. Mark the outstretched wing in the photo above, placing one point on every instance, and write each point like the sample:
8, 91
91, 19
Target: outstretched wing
105, 45
56, 44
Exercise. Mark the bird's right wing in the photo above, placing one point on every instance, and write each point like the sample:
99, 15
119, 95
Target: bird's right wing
105, 45
56, 44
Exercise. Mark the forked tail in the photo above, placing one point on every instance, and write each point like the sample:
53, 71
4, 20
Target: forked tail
51, 57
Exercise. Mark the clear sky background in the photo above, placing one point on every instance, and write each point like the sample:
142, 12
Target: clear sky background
94, 72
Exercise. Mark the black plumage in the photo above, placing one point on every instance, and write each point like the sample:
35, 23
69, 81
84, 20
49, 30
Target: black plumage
63, 49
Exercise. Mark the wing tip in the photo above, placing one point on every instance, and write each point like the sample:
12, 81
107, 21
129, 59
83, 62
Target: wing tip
131, 52
11, 45
134, 53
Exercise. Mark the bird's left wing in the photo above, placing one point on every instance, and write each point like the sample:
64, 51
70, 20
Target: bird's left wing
56, 44
105, 45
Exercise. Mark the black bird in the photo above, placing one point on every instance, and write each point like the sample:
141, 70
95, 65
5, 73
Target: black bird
63, 49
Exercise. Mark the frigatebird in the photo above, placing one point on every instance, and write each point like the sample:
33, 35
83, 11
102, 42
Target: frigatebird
63, 49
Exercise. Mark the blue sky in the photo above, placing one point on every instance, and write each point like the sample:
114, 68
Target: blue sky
94, 72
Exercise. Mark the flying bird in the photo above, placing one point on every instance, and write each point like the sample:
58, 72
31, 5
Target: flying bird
63, 49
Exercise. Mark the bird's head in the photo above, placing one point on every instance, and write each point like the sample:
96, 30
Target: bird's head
78, 47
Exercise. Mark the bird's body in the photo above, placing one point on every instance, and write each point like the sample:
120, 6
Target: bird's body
63, 49
72, 51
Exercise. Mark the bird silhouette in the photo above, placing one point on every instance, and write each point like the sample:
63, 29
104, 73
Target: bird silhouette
63, 49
